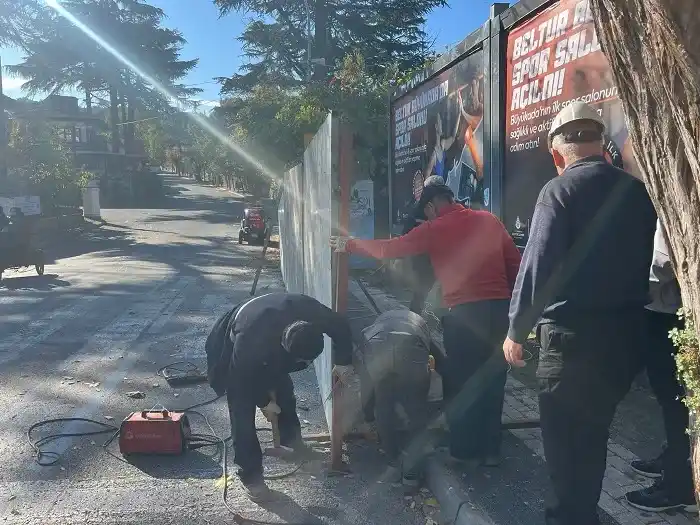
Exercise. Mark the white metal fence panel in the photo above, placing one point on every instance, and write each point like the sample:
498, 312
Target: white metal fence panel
291, 225
306, 214
318, 218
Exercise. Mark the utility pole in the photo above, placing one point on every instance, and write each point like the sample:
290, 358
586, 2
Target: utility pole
3, 135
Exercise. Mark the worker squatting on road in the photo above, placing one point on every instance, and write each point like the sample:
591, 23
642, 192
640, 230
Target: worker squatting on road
584, 281
251, 351
393, 365
476, 262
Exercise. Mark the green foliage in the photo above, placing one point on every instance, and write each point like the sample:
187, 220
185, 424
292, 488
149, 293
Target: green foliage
60, 57
155, 140
688, 365
39, 164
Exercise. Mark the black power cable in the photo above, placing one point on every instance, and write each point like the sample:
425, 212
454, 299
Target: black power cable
195, 441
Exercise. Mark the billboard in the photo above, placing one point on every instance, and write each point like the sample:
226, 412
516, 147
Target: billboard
553, 59
438, 129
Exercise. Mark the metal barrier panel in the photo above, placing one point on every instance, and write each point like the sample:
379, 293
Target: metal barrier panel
319, 217
291, 224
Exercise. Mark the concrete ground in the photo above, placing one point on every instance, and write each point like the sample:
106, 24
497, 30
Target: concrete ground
116, 304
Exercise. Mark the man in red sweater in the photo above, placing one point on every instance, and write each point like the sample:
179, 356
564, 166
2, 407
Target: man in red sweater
476, 262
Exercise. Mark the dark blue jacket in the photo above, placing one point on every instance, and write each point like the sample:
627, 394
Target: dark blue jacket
589, 251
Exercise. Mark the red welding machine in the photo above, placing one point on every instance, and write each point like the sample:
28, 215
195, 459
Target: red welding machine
154, 432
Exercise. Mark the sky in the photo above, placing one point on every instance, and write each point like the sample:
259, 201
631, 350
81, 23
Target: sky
213, 39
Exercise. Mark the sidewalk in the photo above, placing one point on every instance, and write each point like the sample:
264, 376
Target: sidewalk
514, 493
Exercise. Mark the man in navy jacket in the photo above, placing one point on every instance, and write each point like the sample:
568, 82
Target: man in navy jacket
584, 281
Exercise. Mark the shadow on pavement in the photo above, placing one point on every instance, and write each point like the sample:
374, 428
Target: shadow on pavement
193, 464
289, 510
32, 282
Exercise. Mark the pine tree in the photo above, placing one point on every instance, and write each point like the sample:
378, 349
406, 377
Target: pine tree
62, 57
384, 32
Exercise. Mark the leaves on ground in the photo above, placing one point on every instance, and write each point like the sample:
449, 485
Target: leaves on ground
222, 481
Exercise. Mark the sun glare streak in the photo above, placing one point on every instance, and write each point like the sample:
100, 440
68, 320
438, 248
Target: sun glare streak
163, 90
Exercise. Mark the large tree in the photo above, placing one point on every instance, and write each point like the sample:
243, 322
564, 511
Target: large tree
17, 21
654, 51
275, 42
62, 57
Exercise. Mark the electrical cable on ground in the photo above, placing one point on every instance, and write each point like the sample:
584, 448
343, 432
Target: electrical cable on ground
196, 441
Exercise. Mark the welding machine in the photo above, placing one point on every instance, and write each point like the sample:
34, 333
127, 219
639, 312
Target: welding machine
154, 432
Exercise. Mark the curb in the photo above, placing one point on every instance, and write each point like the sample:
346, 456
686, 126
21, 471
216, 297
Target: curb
455, 506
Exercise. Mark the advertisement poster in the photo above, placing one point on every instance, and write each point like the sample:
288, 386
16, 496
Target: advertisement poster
30, 205
553, 59
362, 219
438, 129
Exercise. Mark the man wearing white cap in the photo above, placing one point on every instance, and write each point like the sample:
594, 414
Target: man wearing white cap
584, 282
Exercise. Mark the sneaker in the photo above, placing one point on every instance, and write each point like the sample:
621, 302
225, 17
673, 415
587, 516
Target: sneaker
651, 468
658, 499
257, 492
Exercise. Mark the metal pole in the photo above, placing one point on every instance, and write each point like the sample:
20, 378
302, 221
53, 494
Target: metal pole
390, 161
3, 133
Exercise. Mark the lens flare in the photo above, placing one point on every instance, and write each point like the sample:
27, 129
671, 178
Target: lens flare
163, 90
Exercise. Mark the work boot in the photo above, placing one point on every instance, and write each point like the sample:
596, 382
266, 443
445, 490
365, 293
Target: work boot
257, 491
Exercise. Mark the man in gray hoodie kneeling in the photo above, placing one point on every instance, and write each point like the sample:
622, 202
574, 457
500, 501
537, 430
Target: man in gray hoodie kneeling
395, 380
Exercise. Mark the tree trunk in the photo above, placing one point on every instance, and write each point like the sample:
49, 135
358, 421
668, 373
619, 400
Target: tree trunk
125, 139
130, 130
114, 118
654, 51
88, 102
320, 38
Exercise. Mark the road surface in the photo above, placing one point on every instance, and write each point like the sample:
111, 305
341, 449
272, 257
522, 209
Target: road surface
114, 306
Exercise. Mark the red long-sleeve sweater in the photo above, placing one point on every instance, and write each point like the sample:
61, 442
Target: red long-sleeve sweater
473, 255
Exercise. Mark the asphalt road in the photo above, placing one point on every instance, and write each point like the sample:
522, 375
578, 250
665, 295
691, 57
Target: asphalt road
115, 305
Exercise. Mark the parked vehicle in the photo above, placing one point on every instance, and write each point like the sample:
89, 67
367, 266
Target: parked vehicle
254, 227
16, 249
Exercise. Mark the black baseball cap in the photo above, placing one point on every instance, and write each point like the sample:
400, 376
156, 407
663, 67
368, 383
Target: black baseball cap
432, 187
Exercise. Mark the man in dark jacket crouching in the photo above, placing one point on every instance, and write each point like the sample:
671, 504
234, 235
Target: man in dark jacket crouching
251, 351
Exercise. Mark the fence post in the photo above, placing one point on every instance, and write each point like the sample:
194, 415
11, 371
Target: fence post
341, 205
496, 80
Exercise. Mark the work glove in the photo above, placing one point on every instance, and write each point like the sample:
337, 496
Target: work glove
339, 244
270, 410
